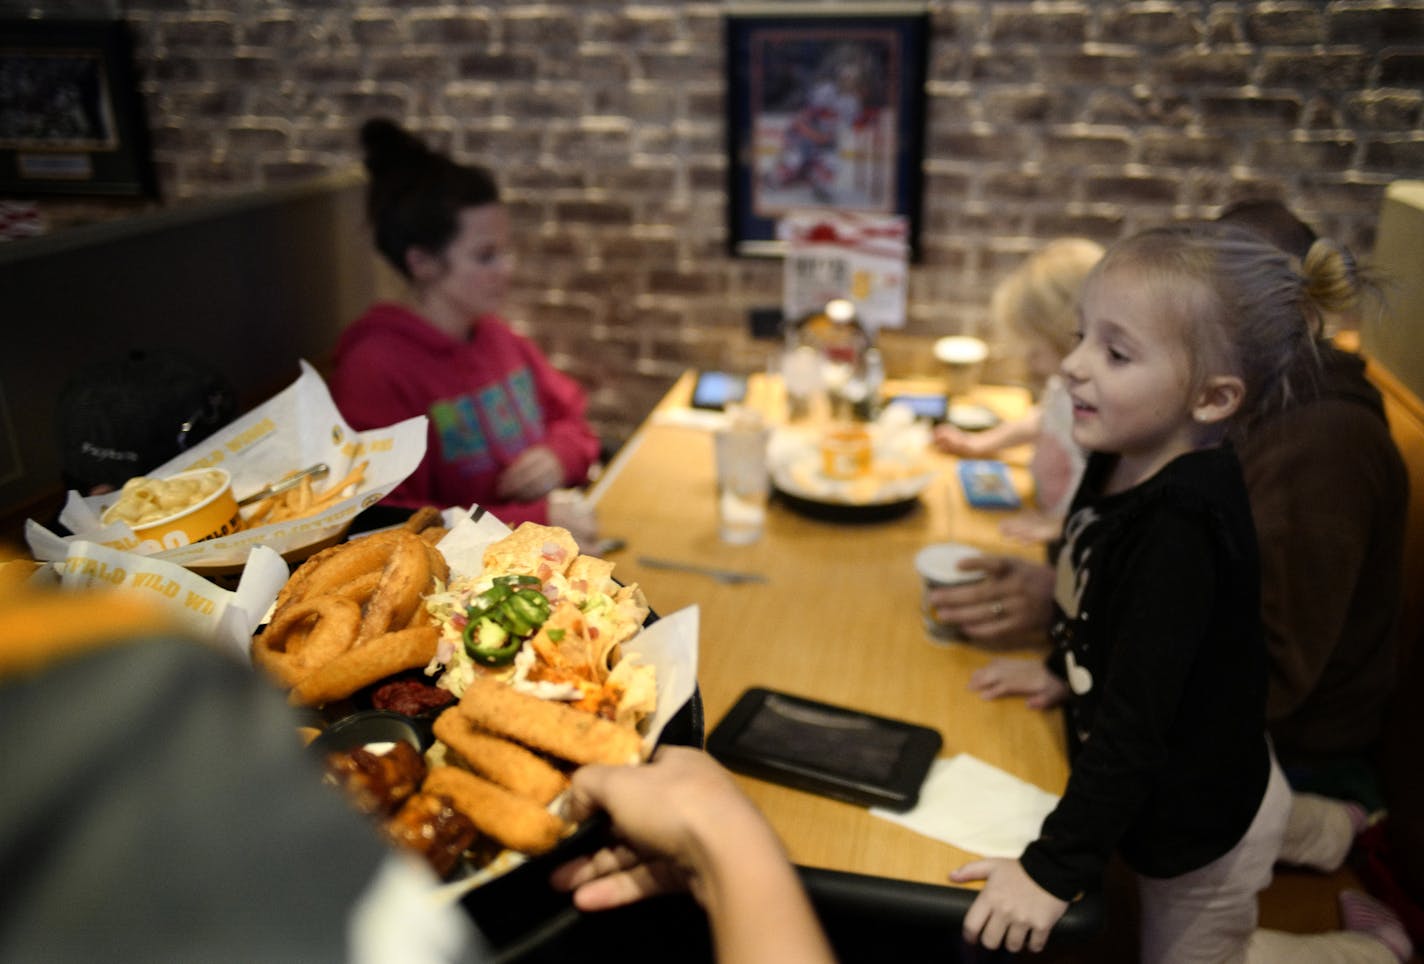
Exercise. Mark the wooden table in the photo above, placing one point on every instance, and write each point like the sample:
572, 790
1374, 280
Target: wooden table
837, 620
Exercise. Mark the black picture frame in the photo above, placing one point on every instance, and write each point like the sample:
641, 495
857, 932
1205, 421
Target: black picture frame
801, 76
71, 115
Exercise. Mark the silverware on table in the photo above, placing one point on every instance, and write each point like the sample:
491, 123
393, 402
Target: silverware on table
317, 471
730, 577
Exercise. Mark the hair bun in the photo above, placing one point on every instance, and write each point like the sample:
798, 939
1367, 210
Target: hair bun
390, 147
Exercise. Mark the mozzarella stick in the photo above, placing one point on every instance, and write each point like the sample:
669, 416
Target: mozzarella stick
516, 822
508, 764
557, 729
363, 665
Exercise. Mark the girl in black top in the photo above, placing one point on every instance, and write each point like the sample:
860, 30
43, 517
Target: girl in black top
1186, 334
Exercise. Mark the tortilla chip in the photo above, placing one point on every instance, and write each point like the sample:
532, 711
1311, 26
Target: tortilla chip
532, 549
597, 573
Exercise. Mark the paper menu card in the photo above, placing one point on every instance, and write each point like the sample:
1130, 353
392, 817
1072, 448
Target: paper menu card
298, 427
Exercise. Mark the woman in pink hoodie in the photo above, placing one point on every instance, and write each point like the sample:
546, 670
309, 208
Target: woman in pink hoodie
506, 427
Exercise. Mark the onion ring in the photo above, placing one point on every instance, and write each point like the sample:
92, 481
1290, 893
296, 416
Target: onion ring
361, 666
404, 579
278, 651
361, 588
337, 566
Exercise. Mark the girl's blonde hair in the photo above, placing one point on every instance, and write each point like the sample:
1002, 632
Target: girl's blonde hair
1039, 298
1247, 308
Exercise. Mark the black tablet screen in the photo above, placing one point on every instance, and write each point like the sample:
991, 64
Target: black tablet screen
845, 744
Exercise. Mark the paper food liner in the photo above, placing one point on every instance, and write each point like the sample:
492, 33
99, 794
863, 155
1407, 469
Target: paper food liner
297, 428
205, 610
668, 645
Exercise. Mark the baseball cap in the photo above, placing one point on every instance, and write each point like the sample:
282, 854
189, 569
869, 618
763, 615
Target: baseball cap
122, 417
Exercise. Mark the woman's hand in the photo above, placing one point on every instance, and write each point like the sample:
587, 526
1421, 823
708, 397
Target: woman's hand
532, 475
1028, 678
1011, 910
684, 825
678, 818
1014, 597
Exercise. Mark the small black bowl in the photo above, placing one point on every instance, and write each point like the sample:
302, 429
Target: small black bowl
365, 728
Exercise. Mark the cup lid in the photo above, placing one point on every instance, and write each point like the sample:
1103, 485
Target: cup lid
940, 562
960, 349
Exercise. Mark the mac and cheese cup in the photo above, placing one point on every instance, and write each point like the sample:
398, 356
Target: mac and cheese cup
181, 509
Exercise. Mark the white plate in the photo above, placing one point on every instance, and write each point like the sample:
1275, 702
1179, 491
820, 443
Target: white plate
899, 470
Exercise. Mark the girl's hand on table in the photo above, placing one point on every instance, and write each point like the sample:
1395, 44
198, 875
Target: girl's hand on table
534, 473
1028, 678
1011, 910
1014, 597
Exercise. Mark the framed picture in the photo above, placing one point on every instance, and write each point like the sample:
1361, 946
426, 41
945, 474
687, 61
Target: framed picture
825, 110
71, 118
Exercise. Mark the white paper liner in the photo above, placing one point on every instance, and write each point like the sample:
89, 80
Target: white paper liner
297, 428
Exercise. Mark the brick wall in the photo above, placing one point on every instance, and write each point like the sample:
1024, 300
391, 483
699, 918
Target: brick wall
604, 120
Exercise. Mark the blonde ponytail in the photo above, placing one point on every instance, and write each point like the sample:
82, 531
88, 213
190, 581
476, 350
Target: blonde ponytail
1331, 286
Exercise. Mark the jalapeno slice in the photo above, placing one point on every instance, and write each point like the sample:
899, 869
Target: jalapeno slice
512, 608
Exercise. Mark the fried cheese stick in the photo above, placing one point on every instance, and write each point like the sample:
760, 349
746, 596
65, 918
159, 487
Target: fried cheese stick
516, 822
557, 729
507, 764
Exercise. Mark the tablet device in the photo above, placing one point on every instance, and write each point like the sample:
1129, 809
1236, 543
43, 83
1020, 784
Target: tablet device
927, 405
717, 390
830, 750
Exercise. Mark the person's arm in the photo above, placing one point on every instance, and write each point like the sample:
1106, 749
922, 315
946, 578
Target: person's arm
566, 429
371, 392
686, 826
978, 445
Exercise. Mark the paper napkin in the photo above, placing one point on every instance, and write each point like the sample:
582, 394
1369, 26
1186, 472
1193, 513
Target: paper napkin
976, 807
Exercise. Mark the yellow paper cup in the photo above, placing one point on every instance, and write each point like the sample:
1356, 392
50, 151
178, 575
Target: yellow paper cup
215, 515
846, 453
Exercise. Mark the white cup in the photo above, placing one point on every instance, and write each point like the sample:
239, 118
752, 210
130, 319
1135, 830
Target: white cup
938, 565
963, 358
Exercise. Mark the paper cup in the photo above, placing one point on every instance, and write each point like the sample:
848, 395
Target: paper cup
215, 515
963, 358
846, 453
938, 565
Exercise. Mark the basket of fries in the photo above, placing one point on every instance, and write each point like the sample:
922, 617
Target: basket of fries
270, 455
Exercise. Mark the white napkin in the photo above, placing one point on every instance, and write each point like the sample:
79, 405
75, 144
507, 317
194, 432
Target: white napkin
976, 807
699, 418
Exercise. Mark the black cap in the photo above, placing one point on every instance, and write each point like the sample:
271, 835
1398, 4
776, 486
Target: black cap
124, 417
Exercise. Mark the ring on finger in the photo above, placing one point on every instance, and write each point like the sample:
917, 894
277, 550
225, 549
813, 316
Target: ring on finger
997, 607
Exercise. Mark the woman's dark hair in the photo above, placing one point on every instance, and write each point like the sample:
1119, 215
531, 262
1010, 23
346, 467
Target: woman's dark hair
1273, 221
416, 194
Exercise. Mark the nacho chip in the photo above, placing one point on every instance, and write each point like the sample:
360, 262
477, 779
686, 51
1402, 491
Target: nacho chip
532, 549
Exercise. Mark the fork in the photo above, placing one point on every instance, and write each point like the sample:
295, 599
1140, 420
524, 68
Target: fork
728, 577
